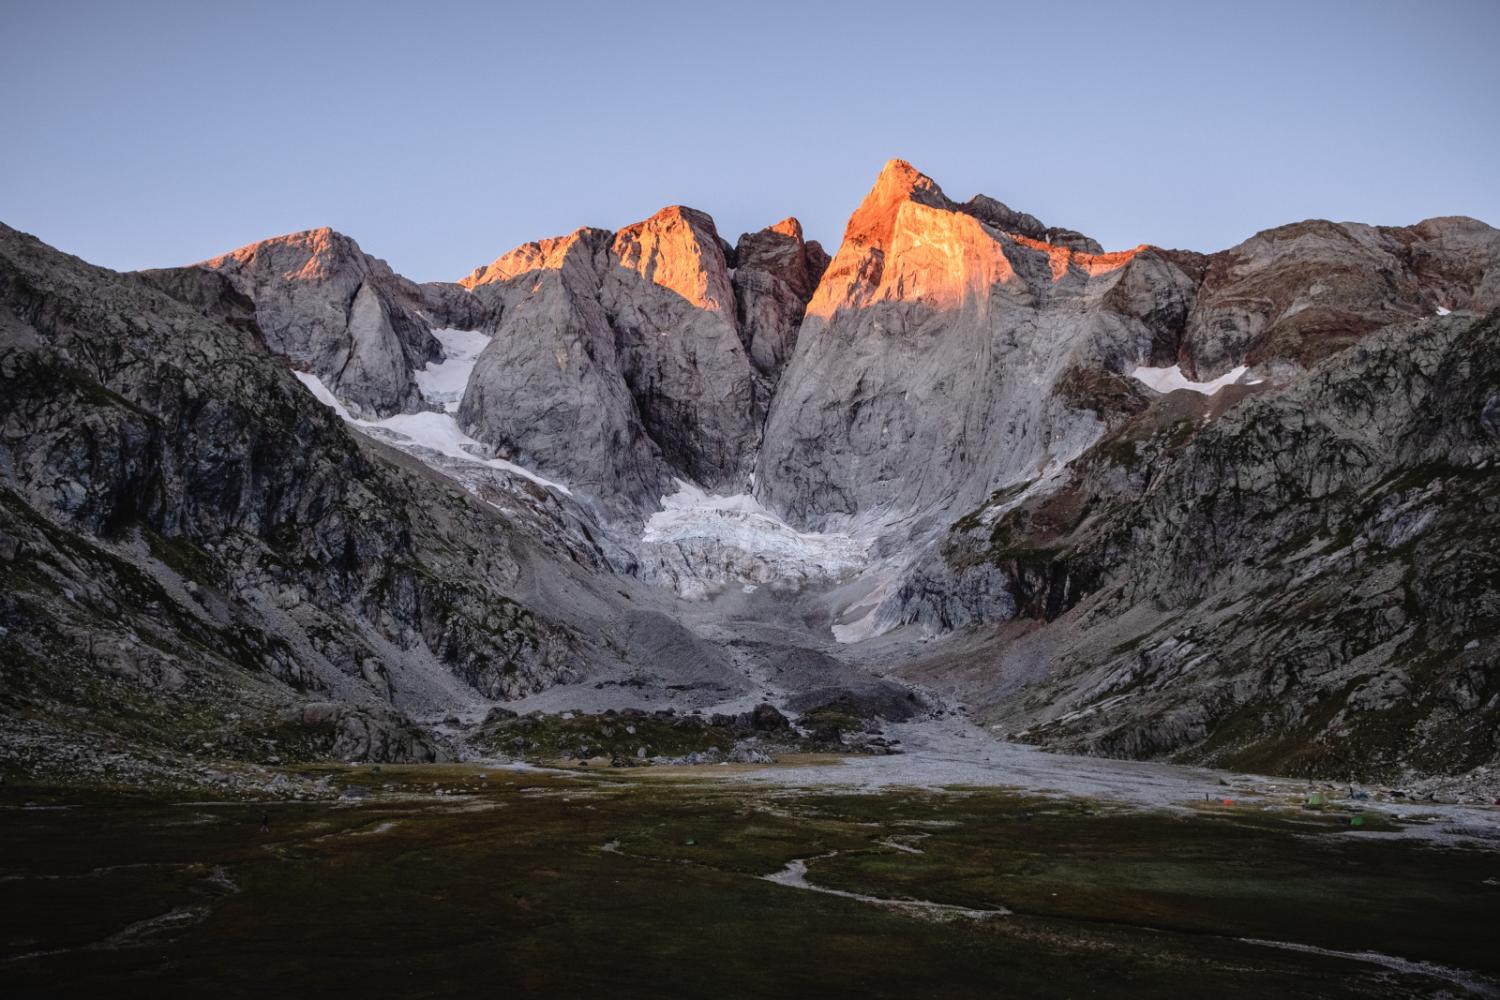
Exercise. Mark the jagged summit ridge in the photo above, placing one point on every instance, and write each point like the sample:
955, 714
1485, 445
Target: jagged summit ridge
966, 418
687, 394
538, 255
952, 350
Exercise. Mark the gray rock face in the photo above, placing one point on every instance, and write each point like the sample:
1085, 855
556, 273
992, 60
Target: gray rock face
942, 359
941, 597
1302, 582
998, 215
775, 274
668, 297
1299, 293
954, 350
345, 316
617, 362
549, 391
184, 520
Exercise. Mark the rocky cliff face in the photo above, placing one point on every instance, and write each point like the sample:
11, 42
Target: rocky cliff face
942, 358
668, 296
954, 350
638, 334
1292, 296
1233, 507
549, 391
1302, 581
347, 317
775, 273
950, 353
187, 531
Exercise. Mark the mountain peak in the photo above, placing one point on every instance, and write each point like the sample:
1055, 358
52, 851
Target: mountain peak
538, 255
323, 239
899, 177
308, 254
679, 249
787, 227
871, 224
678, 212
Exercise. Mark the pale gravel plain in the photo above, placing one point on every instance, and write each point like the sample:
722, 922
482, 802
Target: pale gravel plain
952, 753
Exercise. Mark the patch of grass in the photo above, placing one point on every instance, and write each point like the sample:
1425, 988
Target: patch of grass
506, 878
187, 559
552, 737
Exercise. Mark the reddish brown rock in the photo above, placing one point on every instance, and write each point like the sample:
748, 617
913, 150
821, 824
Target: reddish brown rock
775, 274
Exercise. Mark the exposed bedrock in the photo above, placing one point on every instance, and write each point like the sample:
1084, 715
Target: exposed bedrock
954, 350
775, 274
942, 358
335, 311
619, 362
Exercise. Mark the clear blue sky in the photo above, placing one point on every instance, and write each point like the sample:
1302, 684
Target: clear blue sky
441, 134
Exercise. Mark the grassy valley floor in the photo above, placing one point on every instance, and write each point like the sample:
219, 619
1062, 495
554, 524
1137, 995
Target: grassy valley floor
460, 880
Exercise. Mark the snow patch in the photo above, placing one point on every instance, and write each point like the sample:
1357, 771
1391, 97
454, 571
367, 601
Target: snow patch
323, 394
437, 432
741, 522
1443, 310
443, 382
1166, 380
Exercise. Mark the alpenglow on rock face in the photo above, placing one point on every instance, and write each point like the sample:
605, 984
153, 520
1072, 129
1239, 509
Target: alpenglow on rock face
1233, 507
951, 350
939, 358
618, 361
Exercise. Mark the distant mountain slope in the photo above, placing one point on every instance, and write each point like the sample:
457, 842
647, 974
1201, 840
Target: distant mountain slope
1308, 582
334, 310
189, 534
1237, 507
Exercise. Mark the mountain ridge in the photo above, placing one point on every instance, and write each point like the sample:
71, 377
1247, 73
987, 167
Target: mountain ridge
675, 472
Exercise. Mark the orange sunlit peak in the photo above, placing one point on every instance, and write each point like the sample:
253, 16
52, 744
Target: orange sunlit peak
788, 227
676, 249
549, 254
1060, 258
324, 248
